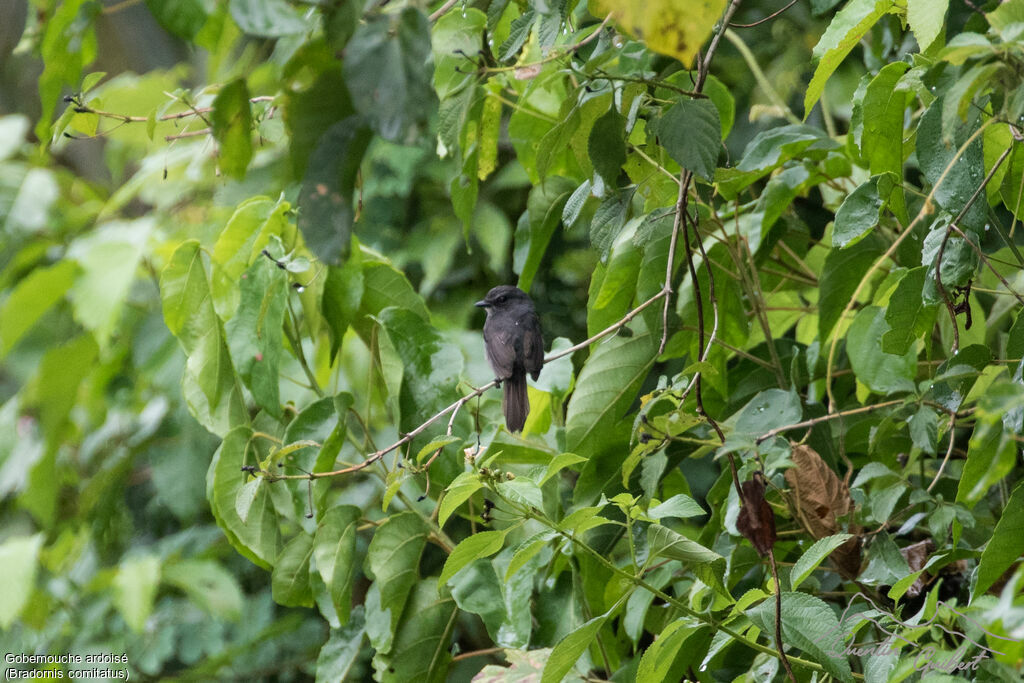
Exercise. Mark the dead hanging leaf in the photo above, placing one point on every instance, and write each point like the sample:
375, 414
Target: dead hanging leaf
916, 556
819, 496
756, 520
820, 499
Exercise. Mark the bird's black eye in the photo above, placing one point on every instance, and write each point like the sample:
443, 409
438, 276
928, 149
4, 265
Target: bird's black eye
502, 299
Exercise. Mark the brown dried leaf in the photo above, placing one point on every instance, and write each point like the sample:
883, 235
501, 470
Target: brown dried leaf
820, 499
756, 520
916, 556
819, 496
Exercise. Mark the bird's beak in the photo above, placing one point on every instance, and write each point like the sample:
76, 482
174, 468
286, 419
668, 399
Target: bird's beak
482, 304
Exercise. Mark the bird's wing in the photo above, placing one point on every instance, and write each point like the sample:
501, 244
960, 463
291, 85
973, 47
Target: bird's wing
500, 347
533, 346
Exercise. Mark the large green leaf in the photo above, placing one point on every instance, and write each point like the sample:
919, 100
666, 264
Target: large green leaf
19, 559
879, 371
842, 272
135, 586
810, 625
606, 387
257, 537
209, 384
109, 258
422, 645
387, 71
908, 317
267, 18
543, 212
392, 562
334, 550
232, 127
31, 299
990, 457
254, 334
1006, 545
960, 179
845, 31
691, 134
290, 580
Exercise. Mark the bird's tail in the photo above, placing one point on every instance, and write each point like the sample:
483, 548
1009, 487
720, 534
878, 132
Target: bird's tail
515, 402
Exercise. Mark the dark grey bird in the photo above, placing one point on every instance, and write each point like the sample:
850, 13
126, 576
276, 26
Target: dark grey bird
514, 346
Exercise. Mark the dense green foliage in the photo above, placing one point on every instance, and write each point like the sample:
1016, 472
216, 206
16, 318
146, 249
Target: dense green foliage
236, 288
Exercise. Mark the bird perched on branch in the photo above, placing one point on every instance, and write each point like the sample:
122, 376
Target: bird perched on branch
514, 346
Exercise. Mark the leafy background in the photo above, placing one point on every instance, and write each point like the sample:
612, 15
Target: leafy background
240, 244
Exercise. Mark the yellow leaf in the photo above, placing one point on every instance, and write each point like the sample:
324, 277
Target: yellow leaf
677, 28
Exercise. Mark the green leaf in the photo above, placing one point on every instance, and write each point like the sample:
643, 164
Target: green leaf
341, 651
431, 368
325, 202
334, 551
135, 587
691, 131
810, 625
422, 646
960, 179
183, 18
879, 371
254, 334
605, 389
479, 545
257, 538
882, 139
858, 213
383, 286
1006, 545
558, 463
109, 257
706, 564
312, 442
656, 662
679, 505
209, 585
814, 556
907, 316
845, 31
606, 145
387, 73
209, 385
457, 493
19, 561
768, 150
613, 286
770, 408
31, 299
436, 444
392, 561
569, 649
526, 551
543, 210
925, 18
959, 263
924, 429
842, 272
609, 220
724, 102
267, 18
453, 37
232, 127
522, 491
343, 292
250, 229
290, 579
991, 453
